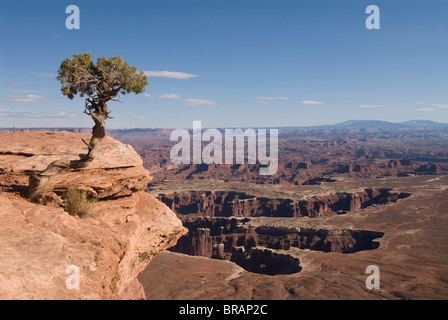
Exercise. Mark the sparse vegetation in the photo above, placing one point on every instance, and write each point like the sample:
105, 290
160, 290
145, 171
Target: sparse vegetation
79, 203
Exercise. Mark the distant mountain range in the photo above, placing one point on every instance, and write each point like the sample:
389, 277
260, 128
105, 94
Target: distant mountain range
351, 124
378, 124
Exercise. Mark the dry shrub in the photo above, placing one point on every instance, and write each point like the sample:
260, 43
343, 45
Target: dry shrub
78, 203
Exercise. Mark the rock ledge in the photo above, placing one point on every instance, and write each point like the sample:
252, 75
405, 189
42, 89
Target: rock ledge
43, 248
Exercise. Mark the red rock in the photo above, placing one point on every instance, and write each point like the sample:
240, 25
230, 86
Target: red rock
110, 247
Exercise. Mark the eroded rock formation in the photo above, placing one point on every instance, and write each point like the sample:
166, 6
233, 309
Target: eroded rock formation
220, 225
43, 245
228, 204
218, 237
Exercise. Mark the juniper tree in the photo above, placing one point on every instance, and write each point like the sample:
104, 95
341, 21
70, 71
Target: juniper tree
98, 83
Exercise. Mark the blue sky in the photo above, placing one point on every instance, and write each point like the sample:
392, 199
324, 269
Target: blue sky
231, 63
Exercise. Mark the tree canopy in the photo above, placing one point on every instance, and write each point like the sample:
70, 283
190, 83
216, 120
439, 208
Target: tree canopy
100, 82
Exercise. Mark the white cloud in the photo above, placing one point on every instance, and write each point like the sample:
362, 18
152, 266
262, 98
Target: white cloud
371, 106
170, 74
170, 96
311, 102
440, 105
197, 102
188, 101
25, 98
425, 109
147, 95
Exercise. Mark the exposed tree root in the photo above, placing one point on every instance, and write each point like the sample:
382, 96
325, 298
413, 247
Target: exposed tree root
38, 181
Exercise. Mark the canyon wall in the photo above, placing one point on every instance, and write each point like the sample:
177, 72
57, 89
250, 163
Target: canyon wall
218, 237
232, 204
220, 225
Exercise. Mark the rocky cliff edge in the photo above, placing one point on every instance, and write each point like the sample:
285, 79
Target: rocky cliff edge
46, 253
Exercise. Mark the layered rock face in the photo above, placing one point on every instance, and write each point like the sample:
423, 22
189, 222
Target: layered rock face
221, 225
220, 238
228, 204
45, 253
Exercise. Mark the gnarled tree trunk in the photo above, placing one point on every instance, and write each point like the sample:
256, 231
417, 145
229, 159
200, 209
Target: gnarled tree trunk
38, 181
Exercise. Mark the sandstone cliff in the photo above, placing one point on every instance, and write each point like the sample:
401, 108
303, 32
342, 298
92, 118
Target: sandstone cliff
232, 203
43, 248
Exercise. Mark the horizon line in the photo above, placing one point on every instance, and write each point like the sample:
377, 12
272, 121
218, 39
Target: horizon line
233, 127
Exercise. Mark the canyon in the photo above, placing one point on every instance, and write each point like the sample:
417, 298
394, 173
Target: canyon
317, 257
308, 156
221, 223
234, 203
342, 199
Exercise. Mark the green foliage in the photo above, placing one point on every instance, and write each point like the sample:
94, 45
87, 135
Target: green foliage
78, 203
101, 81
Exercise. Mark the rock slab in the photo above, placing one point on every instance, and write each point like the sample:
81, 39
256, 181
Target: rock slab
45, 253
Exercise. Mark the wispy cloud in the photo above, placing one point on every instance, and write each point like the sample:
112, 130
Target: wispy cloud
311, 102
28, 114
170, 74
170, 96
425, 109
147, 95
198, 102
371, 106
266, 100
25, 98
40, 74
188, 101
